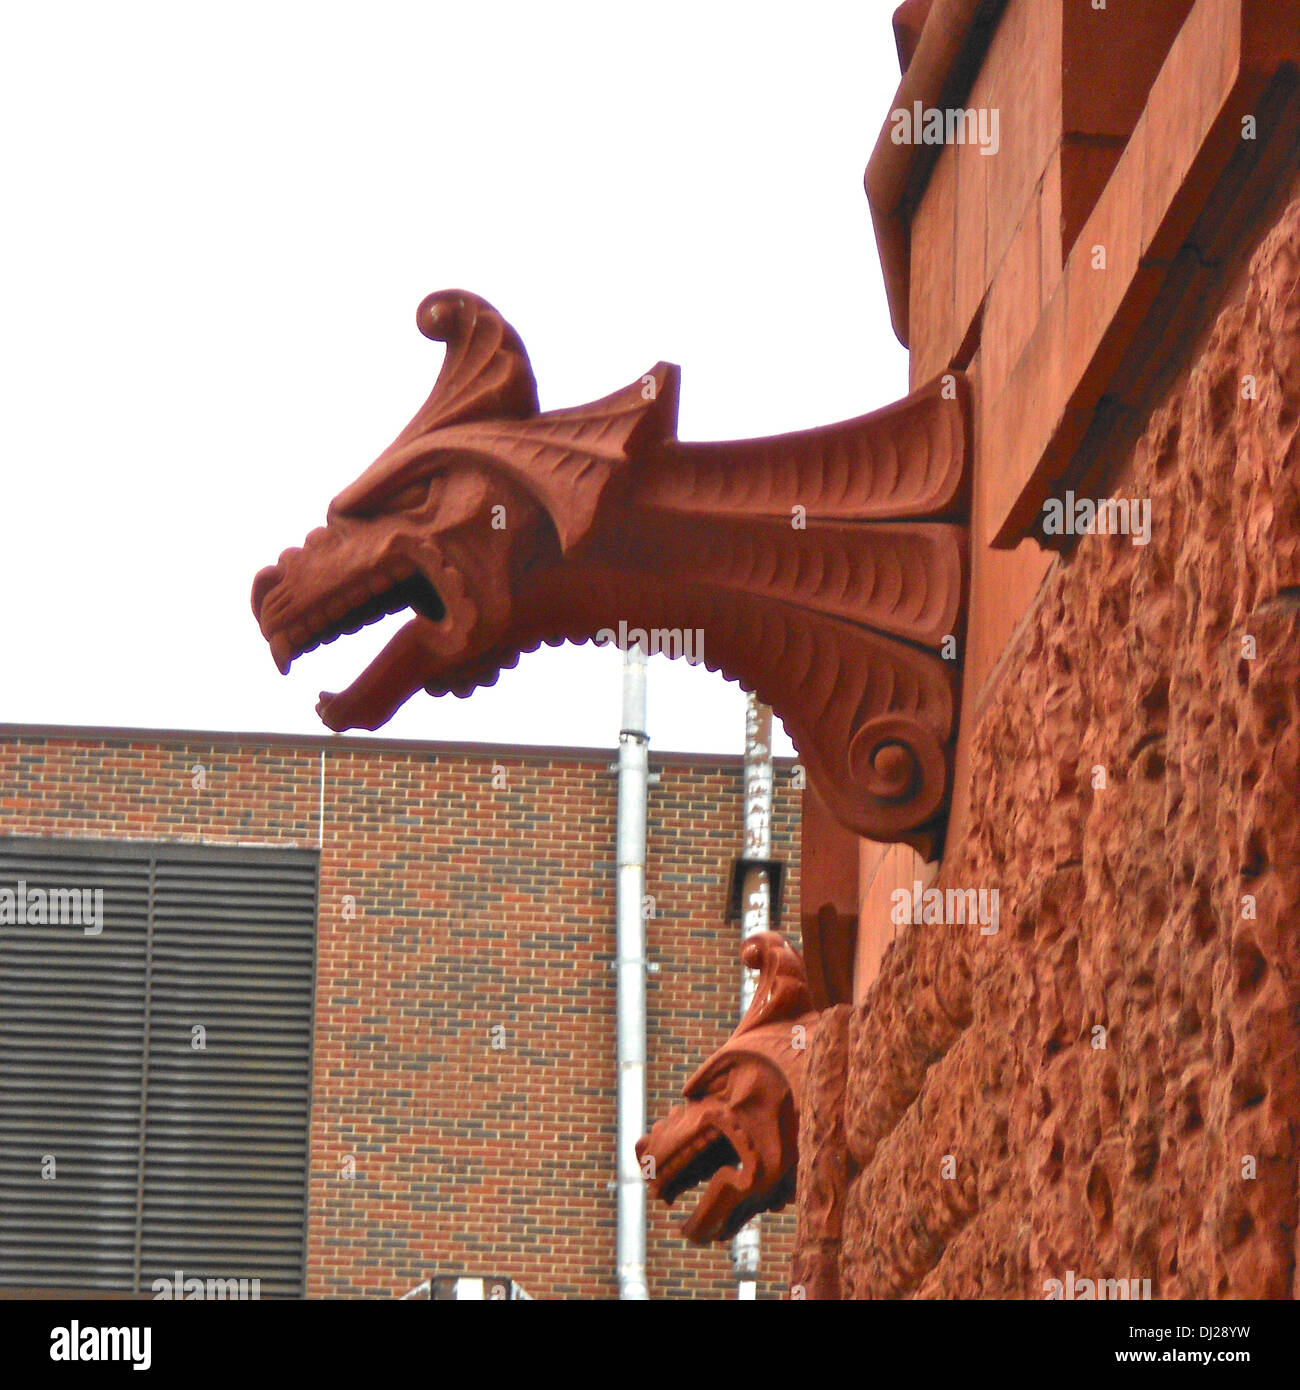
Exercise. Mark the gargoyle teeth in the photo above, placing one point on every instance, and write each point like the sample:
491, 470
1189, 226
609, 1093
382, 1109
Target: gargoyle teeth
283, 652
695, 1163
682, 1157
365, 600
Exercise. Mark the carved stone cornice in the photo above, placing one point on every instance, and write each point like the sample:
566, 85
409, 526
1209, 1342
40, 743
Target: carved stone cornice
822, 569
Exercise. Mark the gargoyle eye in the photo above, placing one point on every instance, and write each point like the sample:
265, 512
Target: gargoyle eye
412, 496
404, 499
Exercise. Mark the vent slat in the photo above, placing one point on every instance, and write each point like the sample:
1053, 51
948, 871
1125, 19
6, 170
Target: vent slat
202, 1153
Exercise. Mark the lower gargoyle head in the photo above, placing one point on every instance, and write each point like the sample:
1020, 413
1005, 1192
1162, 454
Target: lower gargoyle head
737, 1129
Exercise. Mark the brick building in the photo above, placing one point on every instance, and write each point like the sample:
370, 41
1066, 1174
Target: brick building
406, 1062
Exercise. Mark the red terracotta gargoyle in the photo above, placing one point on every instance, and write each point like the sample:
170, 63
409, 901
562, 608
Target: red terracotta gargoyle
823, 569
738, 1127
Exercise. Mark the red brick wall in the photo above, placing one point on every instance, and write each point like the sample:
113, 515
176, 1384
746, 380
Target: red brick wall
476, 905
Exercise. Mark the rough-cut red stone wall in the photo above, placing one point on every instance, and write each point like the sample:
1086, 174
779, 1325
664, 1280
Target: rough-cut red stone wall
966, 1134
483, 882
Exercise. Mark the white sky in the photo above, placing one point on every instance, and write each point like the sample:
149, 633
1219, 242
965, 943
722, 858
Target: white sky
219, 220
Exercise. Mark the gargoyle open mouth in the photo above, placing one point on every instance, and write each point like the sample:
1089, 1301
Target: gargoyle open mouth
351, 574
363, 606
706, 1156
696, 1164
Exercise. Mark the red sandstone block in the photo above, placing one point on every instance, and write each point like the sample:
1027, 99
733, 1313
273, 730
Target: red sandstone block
1186, 283
1017, 424
1126, 42
1085, 330
1186, 100
899, 867
1106, 305
1021, 78
1051, 257
1014, 302
970, 268
931, 318
1086, 164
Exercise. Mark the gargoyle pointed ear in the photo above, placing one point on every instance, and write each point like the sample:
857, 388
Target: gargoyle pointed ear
782, 992
485, 375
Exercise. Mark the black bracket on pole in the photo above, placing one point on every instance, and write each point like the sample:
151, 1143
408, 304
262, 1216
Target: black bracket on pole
775, 870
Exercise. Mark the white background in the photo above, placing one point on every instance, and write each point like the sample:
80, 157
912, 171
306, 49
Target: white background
218, 221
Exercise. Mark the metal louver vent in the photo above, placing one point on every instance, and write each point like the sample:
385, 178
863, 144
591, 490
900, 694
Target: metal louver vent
162, 1064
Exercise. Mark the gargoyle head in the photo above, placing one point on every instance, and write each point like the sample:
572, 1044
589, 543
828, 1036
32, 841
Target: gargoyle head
476, 491
738, 1128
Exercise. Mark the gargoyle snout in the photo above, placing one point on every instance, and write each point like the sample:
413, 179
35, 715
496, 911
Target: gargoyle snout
270, 576
265, 580
666, 1146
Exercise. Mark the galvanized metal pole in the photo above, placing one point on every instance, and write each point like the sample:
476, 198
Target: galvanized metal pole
755, 918
633, 787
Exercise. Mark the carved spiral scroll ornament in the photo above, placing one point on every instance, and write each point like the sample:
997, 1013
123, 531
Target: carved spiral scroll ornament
824, 569
899, 764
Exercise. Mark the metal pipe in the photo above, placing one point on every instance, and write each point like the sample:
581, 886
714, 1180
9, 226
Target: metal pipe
755, 918
320, 819
633, 786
